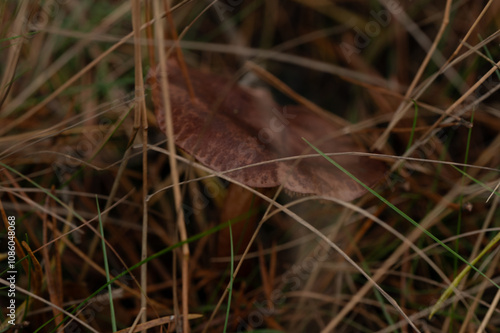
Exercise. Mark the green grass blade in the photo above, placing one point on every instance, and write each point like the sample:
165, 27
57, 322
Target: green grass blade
458, 229
488, 53
480, 183
230, 281
447, 293
106, 268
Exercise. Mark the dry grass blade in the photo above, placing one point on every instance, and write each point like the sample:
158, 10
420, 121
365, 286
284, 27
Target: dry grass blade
173, 165
156, 322
402, 109
14, 52
53, 276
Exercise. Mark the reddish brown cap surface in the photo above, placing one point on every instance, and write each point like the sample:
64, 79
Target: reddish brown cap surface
228, 126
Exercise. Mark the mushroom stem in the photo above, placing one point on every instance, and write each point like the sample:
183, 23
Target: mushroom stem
238, 202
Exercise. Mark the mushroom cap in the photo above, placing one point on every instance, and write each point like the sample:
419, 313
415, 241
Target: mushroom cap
228, 127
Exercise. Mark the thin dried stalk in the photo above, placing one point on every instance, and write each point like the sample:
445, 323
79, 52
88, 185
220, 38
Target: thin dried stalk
160, 44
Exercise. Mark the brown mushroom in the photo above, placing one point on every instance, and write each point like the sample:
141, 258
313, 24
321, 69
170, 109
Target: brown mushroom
228, 127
